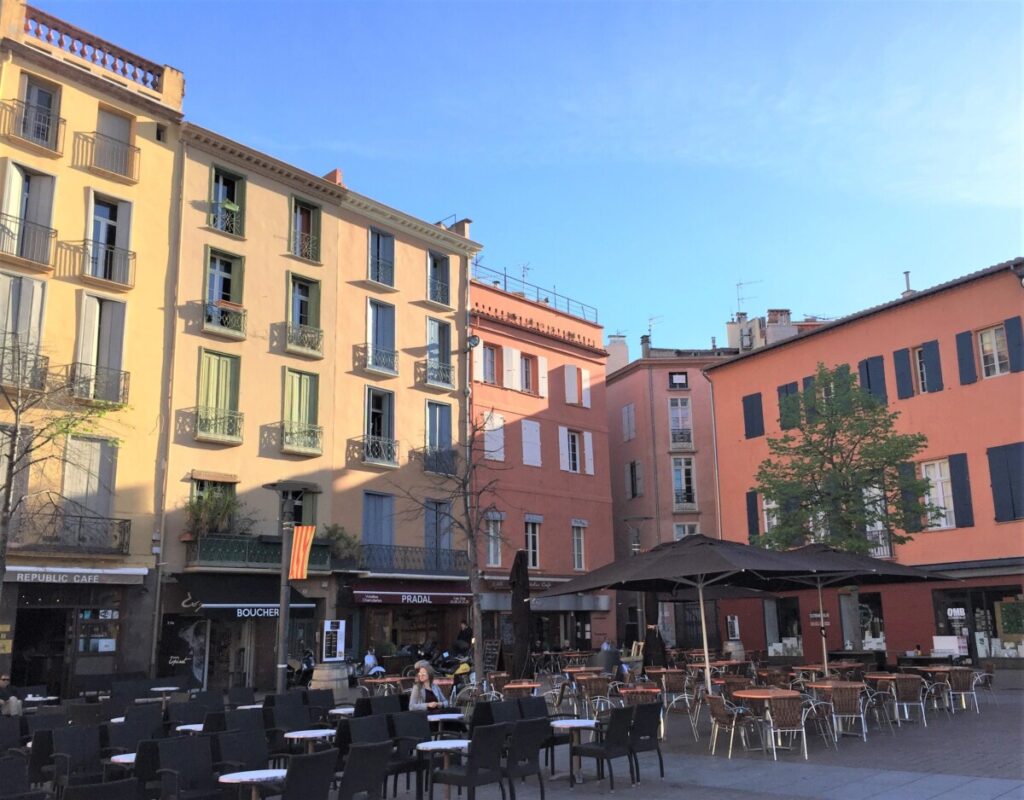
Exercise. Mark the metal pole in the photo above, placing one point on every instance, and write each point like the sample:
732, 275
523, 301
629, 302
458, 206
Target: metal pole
824, 641
287, 529
704, 637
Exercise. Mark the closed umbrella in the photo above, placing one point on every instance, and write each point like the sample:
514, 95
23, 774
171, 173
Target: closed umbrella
519, 578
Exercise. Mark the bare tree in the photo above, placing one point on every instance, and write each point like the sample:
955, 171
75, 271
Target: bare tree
40, 409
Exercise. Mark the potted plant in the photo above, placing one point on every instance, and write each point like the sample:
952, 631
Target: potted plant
214, 512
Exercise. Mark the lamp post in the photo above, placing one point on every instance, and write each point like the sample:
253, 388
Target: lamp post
290, 493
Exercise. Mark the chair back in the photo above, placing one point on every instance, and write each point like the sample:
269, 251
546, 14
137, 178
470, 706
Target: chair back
192, 758
247, 748
41, 754
674, 682
112, 790
291, 718
533, 707
961, 679
373, 728
185, 714
13, 776
486, 746
845, 700
619, 722
81, 743
363, 707
505, 711
81, 712
643, 735
210, 699
36, 690
365, 770
387, 704
241, 696
147, 761
410, 725
594, 685
124, 736
717, 708
908, 688
786, 712
527, 739
498, 680
10, 733
44, 722
309, 776
215, 721
286, 699
322, 699
149, 716
245, 719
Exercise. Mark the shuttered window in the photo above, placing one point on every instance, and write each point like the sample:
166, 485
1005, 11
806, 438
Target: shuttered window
872, 377
1006, 471
753, 417
789, 409
531, 443
494, 437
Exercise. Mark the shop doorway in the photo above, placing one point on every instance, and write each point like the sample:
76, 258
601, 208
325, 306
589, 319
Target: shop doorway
970, 614
42, 641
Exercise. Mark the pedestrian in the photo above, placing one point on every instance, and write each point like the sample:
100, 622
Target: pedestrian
308, 665
10, 704
425, 694
371, 667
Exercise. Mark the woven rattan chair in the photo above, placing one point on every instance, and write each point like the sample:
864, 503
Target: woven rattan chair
726, 717
785, 715
963, 684
908, 691
847, 704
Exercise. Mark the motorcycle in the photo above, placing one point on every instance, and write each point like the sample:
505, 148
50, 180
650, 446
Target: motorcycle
458, 667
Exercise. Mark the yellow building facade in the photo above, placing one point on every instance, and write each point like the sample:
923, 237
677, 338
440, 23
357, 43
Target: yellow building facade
88, 149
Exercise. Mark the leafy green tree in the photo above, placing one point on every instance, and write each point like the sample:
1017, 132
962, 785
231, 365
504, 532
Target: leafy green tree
840, 473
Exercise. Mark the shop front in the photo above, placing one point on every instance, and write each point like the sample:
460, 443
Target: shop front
393, 614
575, 621
987, 621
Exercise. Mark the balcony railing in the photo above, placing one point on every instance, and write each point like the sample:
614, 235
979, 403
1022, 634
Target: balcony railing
112, 155
438, 291
306, 337
108, 263
219, 425
441, 460
881, 544
379, 450
224, 320
252, 552
682, 438
380, 359
228, 220
21, 365
306, 245
413, 560
302, 438
28, 240
439, 374
382, 271
102, 384
685, 499
59, 531
37, 125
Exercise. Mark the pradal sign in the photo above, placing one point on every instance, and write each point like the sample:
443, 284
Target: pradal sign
368, 597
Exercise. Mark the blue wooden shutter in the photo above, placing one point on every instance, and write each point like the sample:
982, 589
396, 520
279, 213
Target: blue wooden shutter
932, 365
789, 416
753, 417
965, 358
872, 377
810, 404
963, 508
911, 502
753, 528
1015, 343
904, 376
1006, 471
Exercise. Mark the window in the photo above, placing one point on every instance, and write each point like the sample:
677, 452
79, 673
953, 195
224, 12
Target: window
217, 414
872, 377
438, 287
437, 535
382, 258
439, 353
378, 529
112, 148
40, 116
440, 456
634, 541
577, 547
305, 238
301, 400
109, 256
381, 354
490, 364
379, 442
303, 316
753, 416
97, 371
97, 630
575, 451
25, 222
683, 482
681, 530
493, 533
227, 202
89, 473
995, 358
678, 380
573, 444
771, 514
577, 386
224, 282
533, 545
789, 405
876, 531
531, 443
527, 368
680, 424
1006, 468
494, 436
628, 422
301, 505
202, 488
160, 133
634, 479
940, 493
21, 312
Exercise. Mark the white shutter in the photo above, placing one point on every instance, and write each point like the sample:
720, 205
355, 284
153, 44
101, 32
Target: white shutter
542, 376
115, 126
531, 443
629, 483
15, 190
478, 363
494, 437
40, 200
111, 335
588, 452
639, 478
88, 329
510, 365
632, 421
585, 382
30, 312
124, 227
572, 396
563, 448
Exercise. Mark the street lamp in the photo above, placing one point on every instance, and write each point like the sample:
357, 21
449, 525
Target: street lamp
290, 493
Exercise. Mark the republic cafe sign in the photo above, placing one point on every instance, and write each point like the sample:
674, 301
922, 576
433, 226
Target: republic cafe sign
17, 573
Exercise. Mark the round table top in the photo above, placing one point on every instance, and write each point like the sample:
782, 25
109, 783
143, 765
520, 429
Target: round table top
572, 670
764, 693
650, 689
117, 720
936, 668
250, 705
877, 676
443, 744
123, 758
39, 698
449, 717
522, 685
253, 776
164, 688
574, 723
346, 711
387, 679
836, 685
194, 727
312, 733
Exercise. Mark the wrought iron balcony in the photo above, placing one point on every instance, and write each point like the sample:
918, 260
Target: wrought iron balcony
21, 365
881, 544
228, 220
34, 124
684, 500
249, 552
382, 271
23, 239
380, 359
57, 531
385, 558
302, 438
682, 438
438, 291
305, 339
379, 450
440, 374
102, 384
219, 425
441, 460
105, 262
110, 155
224, 319
306, 245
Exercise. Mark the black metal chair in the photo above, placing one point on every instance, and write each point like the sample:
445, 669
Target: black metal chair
186, 769
184, 714
309, 777
506, 711
211, 699
523, 758
215, 722
241, 696
245, 719
10, 733
614, 745
77, 756
149, 715
112, 790
241, 750
644, 735
366, 770
289, 718
408, 729
147, 766
286, 699
81, 712
320, 701
14, 783
482, 765
537, 707
40, 756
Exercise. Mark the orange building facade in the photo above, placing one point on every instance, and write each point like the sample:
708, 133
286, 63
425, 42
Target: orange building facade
538, 401
950, 360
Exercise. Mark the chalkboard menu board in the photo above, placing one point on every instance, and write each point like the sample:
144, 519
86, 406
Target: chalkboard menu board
492, 652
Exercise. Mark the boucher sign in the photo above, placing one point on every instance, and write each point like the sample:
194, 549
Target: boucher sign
411, 598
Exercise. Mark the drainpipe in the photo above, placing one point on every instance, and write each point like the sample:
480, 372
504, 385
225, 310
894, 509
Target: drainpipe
654, 454
714, 455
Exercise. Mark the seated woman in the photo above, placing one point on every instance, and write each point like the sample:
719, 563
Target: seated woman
425, 695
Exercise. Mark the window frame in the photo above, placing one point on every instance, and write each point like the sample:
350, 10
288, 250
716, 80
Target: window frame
390, 416
370, 256
235, 359
634, 480
237, 262
676, 387
686, 467
682, 407
995, 331
578, 548
531, 531
574, 450
492, 534
940, 493
495, 364
527, 369
677, 525
315, 229
240, 186
434, 259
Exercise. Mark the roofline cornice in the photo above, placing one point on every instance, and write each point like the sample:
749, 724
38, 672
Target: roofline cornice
697, 362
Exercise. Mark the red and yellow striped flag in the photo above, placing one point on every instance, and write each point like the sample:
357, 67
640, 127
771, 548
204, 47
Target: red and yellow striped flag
302, 543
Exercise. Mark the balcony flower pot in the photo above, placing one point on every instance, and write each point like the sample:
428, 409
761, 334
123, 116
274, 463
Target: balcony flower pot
187, 536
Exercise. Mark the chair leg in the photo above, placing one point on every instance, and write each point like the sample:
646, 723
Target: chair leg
540, 780
611, 777
661, 762
501, 786
803, 740
732, 734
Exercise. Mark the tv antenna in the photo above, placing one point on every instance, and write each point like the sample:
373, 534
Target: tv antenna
524, 270
740, 297
651, 322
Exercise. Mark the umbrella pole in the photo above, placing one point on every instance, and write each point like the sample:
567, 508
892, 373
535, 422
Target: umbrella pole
824, 640
704, 637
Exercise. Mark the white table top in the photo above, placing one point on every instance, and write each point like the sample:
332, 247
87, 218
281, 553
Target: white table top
444, 717
346, 711
164, 688
194, 727
253, 776
312, 733
251, 705
574, 723
38, 698
117, 720
123, 758
443, 744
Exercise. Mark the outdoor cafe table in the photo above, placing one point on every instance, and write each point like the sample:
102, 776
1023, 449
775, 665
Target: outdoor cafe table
253, 778
123, 759
310, 737
378, 683
250, 705
441, 719
574, 726
519, 689
165, 693
344, 711
445, 747
827, 686
934, 669
192, 728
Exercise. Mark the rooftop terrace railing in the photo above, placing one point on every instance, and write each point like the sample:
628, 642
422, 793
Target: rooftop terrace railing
549, 297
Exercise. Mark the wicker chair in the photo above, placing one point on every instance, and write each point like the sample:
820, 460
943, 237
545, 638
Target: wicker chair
593, 692
877, 701
847, 704
725, 716
785, 715
908, 690
937, 696
497, 681
733, 683
963, 684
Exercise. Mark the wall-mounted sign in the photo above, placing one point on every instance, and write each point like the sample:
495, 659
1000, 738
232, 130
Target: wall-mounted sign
411, 598
334, 640
820, 619
74, 575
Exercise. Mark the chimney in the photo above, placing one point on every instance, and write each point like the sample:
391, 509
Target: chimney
714, 343
618, 352
741, 316
461, 228
645, 346
334, 176
906, 280
778, 316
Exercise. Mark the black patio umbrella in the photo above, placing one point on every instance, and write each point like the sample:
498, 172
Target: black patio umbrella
694, 562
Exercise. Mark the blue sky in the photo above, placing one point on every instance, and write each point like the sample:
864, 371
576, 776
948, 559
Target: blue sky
641, 157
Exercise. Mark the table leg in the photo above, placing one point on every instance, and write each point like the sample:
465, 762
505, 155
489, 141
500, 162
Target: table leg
254, 793
446, 762
575, 762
